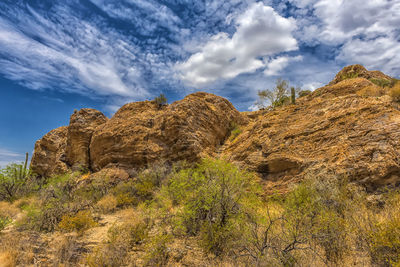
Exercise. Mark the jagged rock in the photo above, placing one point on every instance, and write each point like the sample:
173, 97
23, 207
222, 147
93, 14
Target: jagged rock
141, 133
81, 127
334, 127
49, 155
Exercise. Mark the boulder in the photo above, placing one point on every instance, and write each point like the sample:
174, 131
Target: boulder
81, 127
49, 157
142, 133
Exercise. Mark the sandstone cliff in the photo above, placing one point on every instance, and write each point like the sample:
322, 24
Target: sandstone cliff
138, 135
350, 126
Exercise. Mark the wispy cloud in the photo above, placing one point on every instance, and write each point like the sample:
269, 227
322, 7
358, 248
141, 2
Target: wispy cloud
61, 50
7, 157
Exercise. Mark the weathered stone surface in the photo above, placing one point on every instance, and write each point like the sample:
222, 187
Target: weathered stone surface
333, 128
81, 127
49, 155
358, 71
140, 133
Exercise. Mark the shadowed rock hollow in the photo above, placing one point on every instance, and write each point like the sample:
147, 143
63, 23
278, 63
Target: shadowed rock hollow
351, 127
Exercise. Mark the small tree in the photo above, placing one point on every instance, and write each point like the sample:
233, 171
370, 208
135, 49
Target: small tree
276, 97
160, 100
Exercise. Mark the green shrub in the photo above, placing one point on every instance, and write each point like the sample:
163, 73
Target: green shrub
12, 179
383, 82
303, 93
4, 221
214, 196
157, 252
43, 216
160, 100
235, 131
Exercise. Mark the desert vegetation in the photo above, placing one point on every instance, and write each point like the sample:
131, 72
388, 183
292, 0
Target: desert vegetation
211, 213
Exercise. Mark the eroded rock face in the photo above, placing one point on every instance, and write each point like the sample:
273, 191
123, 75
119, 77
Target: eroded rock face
81, 127
140, 133
335, 128
49, 156
358, 71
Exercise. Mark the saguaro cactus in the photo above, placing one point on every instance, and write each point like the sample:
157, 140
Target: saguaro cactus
293, 95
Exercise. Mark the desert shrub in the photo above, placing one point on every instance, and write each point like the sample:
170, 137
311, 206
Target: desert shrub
395, 92
383, 82
303, 93
79, 222
235, 131
214, 196
384, 242
43, 216
108, 254
157, 250
107, 204
121, 238
160, 100
148, 181
12, 179
67, 250
4, 221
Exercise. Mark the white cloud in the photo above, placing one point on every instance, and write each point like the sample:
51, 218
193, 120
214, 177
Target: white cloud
365, 32
74, 55
275, 66
260, 33
378, 54
7, 157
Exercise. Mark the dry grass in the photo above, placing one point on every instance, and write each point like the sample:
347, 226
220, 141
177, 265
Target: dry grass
107, 204
395, 92
371, 90
8, 210
8, 259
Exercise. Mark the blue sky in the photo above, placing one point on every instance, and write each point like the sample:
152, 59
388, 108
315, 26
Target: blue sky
57, 56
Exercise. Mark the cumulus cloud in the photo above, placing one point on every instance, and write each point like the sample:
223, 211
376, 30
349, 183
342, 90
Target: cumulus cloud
275, 66
364, 32
260, 33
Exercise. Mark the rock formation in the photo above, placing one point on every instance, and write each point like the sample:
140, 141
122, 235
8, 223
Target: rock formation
81, 127
49, 155
350, 126
142, 133
333, 128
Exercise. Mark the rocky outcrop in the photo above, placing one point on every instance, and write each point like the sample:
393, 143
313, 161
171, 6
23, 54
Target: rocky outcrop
81, 127
141, 133
358, 71
350, 127
49, 156
334, 128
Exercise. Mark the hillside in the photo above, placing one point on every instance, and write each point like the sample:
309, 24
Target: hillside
350, 126
198, 183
